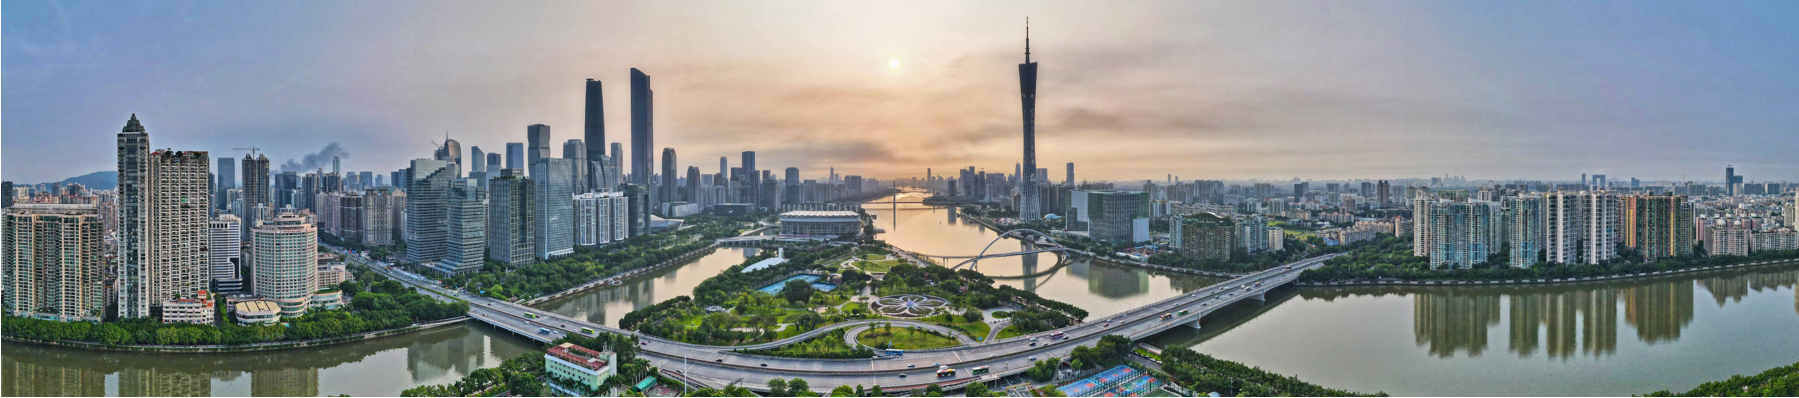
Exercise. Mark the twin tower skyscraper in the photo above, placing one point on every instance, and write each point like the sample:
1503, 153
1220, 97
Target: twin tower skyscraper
643, 126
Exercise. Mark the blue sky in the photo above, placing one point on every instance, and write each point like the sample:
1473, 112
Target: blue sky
1202, 90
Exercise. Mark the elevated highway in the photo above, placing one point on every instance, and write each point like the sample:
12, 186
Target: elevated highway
721, 365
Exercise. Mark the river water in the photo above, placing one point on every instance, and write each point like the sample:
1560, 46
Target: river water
1613, 338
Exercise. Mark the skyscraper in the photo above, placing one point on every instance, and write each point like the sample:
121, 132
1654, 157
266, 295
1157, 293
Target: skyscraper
133, 166
477, 160
494, 164
465, 228
643, 128
594, 134
1029, 208
1582, 227
1732, 181
509, 218
1660, 226
618, 165
692, 192
1462, 233
53, 262
515, 155
227, 179
669, 192
555, 219
576, 152
426, 203
751, 179
538, 136
1070, 175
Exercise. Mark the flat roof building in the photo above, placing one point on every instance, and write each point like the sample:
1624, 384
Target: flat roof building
828, 222
580, 368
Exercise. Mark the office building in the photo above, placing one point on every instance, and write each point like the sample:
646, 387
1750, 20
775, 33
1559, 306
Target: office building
225, 252
510, 224
284, 254
554, 226
495, 162
638, 206
426, 206
1527, 229
593, 133
465, 228
643, 135
515, 155
451, 152
54, 262
1109, 216
538, 138
668, 191
576, 152
477, 161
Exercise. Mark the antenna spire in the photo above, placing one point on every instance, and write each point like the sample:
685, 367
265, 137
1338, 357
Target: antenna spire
1027, 40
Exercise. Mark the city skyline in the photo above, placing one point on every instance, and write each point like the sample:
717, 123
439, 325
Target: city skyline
1397, 89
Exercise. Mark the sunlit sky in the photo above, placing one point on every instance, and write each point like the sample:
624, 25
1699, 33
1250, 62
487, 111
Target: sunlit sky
1128, 90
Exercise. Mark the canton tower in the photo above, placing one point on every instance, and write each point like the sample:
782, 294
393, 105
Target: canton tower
1029, 208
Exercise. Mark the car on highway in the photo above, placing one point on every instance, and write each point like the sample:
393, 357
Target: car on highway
911, 365
902, 375
765, 364
720, 360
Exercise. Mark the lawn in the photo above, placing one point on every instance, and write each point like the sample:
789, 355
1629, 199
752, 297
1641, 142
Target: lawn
904, 338
977, 330
873, 256
1010, 332
877, 265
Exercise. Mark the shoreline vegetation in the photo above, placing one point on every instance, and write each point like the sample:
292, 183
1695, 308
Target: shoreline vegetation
1777, 382
379, 307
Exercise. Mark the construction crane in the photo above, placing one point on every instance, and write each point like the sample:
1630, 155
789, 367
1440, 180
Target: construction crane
252, 150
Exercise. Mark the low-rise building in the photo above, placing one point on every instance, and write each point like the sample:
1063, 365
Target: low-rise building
577, 371
196, 308
833, 223
333, 274
329, 299
255, 312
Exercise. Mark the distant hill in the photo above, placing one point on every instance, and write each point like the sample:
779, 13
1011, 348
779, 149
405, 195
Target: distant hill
100, 180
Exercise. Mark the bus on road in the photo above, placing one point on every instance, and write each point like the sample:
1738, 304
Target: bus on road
977, 371
946, 372
1055, 335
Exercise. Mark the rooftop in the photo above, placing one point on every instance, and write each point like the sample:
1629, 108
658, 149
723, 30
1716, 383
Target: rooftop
819, 214
578, 355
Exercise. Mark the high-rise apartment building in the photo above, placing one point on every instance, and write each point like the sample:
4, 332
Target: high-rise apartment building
1582, 227
465, 228
284, 254
643, 127
1205, 236
600, 218
379, 215
54, 262
256, 181
171, 232
133, 259
1658, 226
1462, 233
1528, 229
1421, 238
510, 224
426, 206
554, 229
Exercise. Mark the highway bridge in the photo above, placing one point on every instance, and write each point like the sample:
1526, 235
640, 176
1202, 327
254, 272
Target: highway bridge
721, 365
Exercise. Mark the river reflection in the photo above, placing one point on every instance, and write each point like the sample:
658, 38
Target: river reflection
605, 305
1562, 339
379, 367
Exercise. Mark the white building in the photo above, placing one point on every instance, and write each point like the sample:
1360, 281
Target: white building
600, 218
284, 259
225, 249
197, 308
1582, 227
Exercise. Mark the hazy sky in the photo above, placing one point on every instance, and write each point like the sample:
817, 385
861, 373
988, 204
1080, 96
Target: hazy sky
1128, 90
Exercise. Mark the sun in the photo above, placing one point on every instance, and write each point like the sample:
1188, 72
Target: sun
893, 63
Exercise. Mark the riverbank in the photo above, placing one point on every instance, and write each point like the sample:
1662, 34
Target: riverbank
708, 249
1533, 281
270, 346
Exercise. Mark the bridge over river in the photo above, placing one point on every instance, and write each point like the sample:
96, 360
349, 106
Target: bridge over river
720, 365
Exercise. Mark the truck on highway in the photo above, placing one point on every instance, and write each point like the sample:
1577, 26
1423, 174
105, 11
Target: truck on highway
543, 331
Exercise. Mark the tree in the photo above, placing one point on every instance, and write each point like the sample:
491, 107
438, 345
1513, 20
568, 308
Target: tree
799, 387
777, 387
843, 391
977, 390
797, 290
933, 390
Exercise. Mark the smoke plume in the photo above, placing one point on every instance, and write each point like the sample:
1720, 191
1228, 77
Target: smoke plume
316, 161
